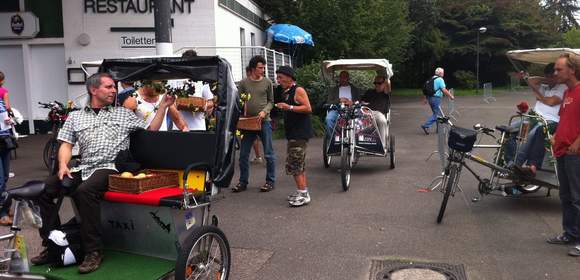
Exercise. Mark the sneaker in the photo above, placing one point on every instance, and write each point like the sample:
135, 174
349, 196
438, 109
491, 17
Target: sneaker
293, 195
300, 200
425, 130
257, 160
91, 263
574, 251
561, 239
41, 259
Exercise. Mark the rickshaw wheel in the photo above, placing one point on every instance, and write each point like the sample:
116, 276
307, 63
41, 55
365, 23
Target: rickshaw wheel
205, 255
529, 188
345, 169
392, 151
326, 159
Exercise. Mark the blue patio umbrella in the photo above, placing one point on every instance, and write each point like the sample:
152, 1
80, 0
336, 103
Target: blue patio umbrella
290, 34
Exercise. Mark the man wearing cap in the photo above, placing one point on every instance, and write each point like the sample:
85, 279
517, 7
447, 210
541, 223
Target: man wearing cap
260, 103
379, 101
296, 108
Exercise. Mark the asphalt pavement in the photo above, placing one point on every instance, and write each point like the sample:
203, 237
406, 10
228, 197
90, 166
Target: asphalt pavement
383, 216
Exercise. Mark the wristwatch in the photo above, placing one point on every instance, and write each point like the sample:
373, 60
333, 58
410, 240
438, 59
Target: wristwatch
291, 107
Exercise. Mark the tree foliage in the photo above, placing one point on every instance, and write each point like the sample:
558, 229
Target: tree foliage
419, 35
563, 11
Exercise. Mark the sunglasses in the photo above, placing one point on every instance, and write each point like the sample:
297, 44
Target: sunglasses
378, 83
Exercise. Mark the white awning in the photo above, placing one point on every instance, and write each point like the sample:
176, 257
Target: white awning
541, 56
381, 65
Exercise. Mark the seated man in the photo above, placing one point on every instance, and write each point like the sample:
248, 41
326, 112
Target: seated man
549, 95
101, 131
379, 100
345, 93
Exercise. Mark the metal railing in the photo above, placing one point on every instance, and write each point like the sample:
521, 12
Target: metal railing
239, 57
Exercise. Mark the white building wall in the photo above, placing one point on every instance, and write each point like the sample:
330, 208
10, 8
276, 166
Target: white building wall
48, 77
228, 26
195, 28
11, 63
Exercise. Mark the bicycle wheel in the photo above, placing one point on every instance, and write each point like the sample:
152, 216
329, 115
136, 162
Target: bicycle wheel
325, 157
451, 181
392, 151
46, 153
204, 255
345, 165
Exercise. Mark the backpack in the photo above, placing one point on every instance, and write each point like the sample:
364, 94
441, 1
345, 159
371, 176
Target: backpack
64, 245
429, 87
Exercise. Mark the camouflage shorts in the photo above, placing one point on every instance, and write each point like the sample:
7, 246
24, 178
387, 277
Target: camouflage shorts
296, 159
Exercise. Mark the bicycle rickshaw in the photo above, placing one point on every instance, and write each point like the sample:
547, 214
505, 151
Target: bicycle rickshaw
166, 233
456, 144
356, 133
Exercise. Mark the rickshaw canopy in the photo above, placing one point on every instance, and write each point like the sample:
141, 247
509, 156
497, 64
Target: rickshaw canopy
382, 66
541, 56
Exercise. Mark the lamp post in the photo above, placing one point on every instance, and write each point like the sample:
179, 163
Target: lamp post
480, 30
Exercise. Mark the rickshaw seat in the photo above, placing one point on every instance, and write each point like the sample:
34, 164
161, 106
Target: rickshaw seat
507, 129
167, 197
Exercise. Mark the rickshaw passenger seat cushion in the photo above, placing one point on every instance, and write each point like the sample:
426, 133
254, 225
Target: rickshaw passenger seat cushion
152, 198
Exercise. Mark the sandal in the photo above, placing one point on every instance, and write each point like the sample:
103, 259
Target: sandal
239, 188
267, 187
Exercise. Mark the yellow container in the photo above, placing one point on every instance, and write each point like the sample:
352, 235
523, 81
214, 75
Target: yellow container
195, 180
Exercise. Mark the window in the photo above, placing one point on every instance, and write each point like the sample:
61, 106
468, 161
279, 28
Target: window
10, 6
242, 37
252, 39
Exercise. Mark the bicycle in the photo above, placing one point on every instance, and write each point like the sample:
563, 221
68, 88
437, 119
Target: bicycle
13, 256
503, 178
56, 116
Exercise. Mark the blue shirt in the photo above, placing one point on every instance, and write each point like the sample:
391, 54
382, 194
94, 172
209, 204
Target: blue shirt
438, 86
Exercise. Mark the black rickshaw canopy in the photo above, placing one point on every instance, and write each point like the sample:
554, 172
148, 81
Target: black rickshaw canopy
220, 162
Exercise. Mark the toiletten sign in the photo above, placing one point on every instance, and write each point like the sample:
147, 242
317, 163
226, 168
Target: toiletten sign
137, 41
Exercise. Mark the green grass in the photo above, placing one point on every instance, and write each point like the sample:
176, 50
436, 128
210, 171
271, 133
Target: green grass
458, 92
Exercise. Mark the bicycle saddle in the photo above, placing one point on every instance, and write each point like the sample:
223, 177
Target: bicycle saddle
507, 129
29, 190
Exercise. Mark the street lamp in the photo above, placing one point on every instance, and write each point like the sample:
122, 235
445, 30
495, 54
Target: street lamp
480, 30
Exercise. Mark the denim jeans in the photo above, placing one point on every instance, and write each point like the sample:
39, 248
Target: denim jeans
434, 103
330, 121
534, 150
569, 177
4, 174
247, 141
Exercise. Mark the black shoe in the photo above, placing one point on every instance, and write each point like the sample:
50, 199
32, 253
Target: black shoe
425, 130
91, 263
41, 259
239, 188
561, 239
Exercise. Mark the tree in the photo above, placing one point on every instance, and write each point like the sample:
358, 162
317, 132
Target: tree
563, 11
571, 39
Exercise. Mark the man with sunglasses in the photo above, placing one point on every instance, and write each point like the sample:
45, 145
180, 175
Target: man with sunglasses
379, 101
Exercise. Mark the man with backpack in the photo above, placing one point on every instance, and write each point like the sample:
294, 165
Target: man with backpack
433, 91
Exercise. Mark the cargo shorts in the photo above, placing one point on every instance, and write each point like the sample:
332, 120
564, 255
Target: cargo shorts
296, 157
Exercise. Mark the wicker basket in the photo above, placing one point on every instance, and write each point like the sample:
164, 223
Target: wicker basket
159, 179
193, 104
250, 123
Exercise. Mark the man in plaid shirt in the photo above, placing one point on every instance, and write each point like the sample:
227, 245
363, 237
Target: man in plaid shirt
101, 131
